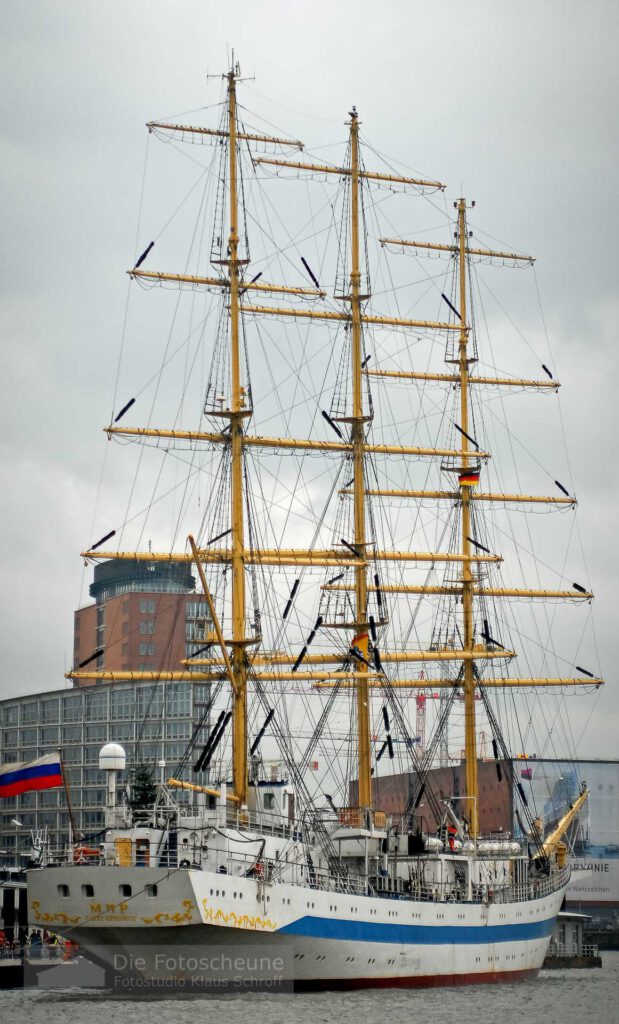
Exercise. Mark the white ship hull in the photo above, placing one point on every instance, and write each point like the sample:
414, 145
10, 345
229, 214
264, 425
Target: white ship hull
201, 924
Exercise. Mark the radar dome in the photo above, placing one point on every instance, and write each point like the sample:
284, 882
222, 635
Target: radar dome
112, 758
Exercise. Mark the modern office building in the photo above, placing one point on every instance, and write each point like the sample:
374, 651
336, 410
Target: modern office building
153, 722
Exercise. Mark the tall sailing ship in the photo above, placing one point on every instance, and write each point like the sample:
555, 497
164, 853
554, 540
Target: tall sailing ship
255, 856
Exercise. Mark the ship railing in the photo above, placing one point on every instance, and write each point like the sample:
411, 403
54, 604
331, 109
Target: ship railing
289, 873
10, 951
451, 892
261, 821
318, 878
58, 856
296, 873
572, 949
533, 889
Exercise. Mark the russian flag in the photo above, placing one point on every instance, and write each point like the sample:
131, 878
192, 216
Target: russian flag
44, 773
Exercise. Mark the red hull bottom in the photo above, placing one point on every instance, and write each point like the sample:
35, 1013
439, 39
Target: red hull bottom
425, 981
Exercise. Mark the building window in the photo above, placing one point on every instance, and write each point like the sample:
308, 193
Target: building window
72, 708
121, 731
28, 736
28, 820
94, 797
147, 628
178, 700
49, 734
148, 649
93, 818
195, 630
29, 714
11, 714
195, 648
49, 710
96, 706
151, 729
10, 738
122, 703
174, 751
71, 733
178, 730
150, 701
96, 732
196, 610
148, 751
72, 755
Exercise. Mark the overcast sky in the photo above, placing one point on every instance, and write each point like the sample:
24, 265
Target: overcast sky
514, 103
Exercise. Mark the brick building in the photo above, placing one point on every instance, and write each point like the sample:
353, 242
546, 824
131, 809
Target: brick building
392, 792
145, 617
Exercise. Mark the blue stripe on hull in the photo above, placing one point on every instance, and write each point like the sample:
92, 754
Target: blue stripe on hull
416, 934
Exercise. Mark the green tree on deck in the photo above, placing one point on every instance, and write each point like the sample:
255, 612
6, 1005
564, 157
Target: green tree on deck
142, 789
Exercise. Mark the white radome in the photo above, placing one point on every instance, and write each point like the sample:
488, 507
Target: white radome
112, 758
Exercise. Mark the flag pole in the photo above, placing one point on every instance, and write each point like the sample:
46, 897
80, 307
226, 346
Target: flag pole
65, 783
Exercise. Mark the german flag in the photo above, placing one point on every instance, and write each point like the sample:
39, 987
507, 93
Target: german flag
469, 478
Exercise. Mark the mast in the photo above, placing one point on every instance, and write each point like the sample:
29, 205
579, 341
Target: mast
358, 440
470, 744
339, 667
237, 415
